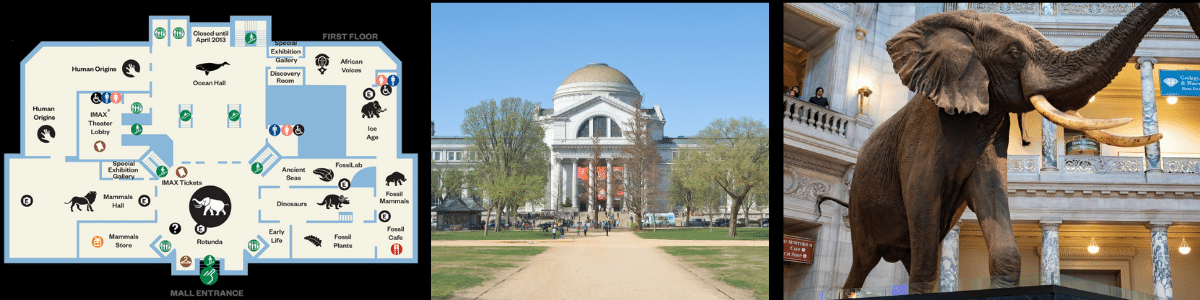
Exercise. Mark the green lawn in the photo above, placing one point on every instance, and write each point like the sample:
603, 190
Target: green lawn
743, 233
458, 268
536, 234
741, 267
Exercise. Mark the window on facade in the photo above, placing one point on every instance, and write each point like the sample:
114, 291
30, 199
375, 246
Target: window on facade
583, 129
601, 126
604, 127
437, 155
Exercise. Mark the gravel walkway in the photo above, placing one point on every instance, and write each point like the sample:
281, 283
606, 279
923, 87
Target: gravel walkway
619, 266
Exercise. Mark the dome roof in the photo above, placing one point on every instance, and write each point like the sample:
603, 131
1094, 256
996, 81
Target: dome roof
597, 72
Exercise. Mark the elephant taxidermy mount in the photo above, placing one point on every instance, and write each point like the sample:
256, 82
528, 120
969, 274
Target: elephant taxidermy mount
947, 148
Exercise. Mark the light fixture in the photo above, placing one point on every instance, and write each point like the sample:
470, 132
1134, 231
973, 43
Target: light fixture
1183, 247
863, 93
1092, 99
1172, 99
1092, 248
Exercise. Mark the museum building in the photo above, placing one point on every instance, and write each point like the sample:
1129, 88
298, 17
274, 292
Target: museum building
595, 99
1085, 214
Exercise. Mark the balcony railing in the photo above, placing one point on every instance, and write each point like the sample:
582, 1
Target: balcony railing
815, 117
1085, 164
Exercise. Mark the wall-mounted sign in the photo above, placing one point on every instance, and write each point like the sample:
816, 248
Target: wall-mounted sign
798, 249
1179, 82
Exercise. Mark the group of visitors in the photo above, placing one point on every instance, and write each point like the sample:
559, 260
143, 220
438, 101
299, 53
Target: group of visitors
819, 99
558, 230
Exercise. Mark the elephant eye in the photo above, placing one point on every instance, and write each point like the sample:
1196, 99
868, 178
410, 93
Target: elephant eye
1014, 52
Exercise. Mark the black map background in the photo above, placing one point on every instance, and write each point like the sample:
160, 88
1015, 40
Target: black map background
395, 27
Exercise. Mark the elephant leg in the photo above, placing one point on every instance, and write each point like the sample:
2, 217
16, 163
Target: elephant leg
922, 194
865, 259
988, 198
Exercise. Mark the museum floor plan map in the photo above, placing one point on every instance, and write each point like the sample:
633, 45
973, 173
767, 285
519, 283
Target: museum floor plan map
210, 147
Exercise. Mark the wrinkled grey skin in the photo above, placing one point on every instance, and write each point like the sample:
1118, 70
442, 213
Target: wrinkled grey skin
947, 148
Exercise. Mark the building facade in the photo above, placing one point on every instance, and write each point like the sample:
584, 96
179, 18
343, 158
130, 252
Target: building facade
1136, 205
593, 101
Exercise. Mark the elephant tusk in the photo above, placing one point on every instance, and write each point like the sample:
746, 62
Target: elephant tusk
1118, 140
1073, 122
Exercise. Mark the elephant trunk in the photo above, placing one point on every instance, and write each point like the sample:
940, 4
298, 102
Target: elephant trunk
1075, 76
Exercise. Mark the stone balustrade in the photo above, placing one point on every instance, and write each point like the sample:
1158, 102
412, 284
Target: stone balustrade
809, 115
1181, 165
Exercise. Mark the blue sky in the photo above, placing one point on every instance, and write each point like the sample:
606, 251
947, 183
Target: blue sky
698, 62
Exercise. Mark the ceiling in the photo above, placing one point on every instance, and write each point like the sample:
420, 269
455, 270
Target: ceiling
806, 33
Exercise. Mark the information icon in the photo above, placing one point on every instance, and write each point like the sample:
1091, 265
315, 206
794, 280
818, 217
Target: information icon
174, 228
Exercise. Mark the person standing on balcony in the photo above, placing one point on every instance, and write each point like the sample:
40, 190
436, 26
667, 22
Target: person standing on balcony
794, 92
819, 99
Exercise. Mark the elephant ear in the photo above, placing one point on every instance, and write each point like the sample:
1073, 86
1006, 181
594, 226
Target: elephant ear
936, 57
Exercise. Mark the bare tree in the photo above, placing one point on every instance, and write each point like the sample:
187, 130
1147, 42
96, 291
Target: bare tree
594, 183
639, 159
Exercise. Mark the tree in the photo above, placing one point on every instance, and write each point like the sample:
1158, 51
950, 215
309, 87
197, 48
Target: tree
435, 182
680, 195
451, 182
734, 154
594, 183
509, 156
762, 201
639, 160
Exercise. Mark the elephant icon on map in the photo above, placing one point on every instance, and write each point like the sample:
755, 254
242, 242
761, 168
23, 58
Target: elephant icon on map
214, 206
372, 110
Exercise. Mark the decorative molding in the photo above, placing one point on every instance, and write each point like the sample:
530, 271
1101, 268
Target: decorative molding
1106, 252
813, 164
1006, 8
1180, 36
1095, 9
1181, 165
842, 7
1101, 164
1022, 164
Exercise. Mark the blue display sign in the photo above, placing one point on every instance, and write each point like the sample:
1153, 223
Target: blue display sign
1179, 82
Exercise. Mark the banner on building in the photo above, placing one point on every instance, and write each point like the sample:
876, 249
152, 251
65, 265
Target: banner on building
798, 249
1179, 82
583, 173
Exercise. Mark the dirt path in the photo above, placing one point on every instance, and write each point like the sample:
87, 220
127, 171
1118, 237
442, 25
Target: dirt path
620, 266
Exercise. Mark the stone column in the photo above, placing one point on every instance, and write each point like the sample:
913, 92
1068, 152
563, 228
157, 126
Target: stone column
949, 262
608, 185
1161, 258
554, 188
1149, 112
1049, 146
1050, 270
575, 184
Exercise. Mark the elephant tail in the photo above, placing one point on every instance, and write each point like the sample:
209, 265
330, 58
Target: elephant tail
822, 198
